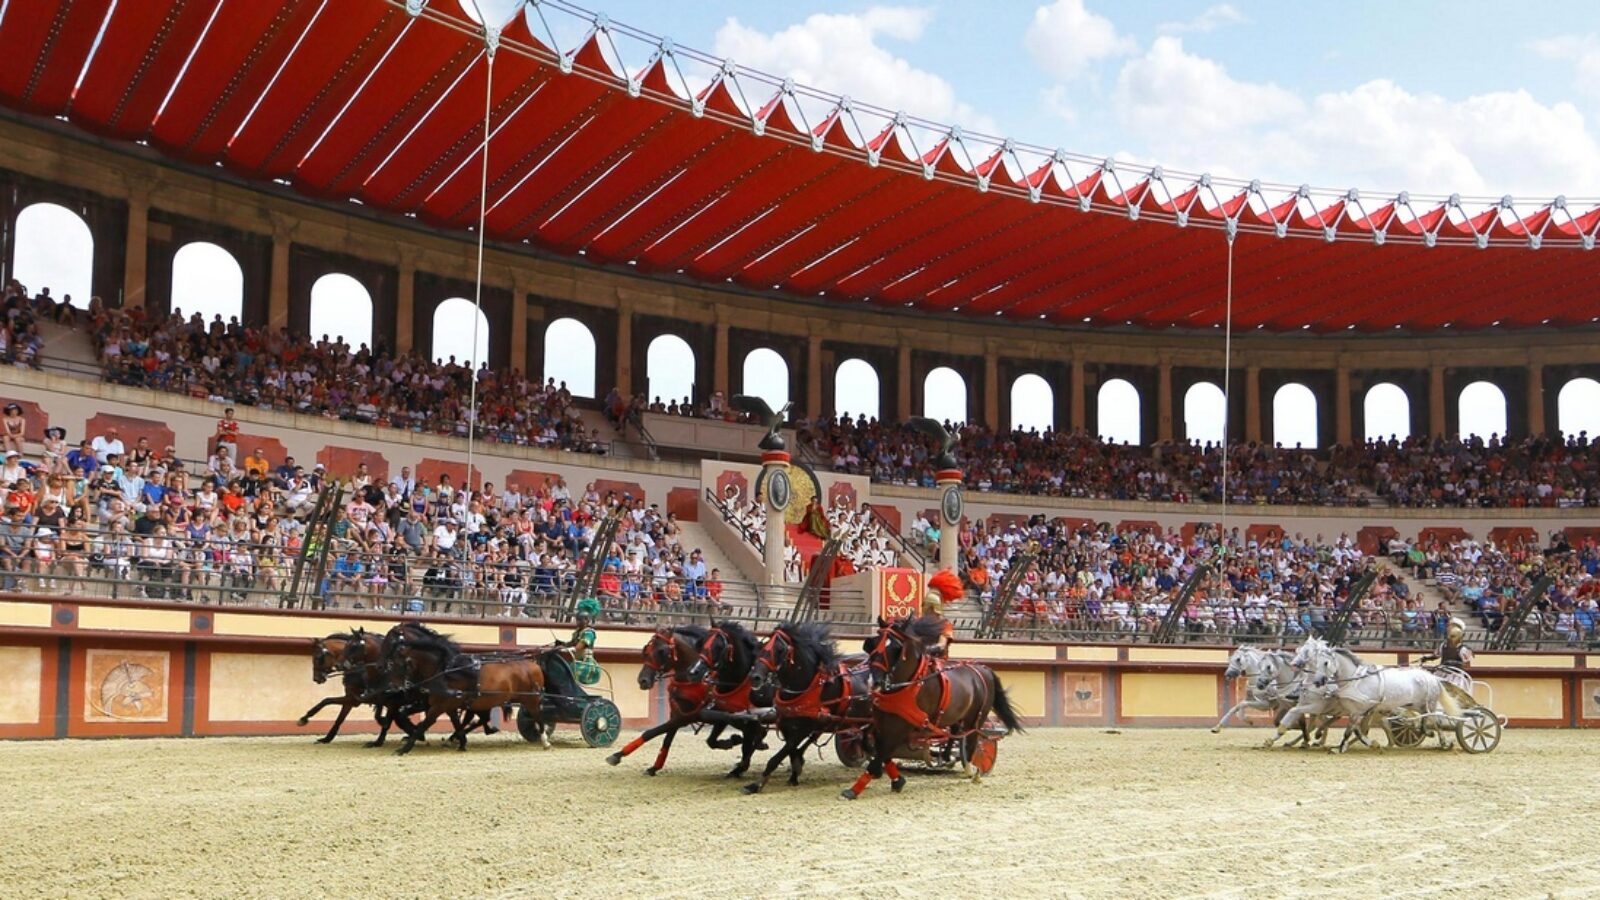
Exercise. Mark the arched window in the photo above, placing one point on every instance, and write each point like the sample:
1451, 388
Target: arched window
341, 308
855, 389
569, 356
206, 279
1033, 403
55, 250
766, 375
454, 333
944, 396
1483, 411
1117, 406
1204, 413
1294, 417
1578, 408
669, 369
1387, 412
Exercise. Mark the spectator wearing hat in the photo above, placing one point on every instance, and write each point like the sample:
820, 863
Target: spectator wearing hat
55, 451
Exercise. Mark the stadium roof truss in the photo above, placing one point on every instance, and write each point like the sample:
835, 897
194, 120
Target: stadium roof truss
629, 150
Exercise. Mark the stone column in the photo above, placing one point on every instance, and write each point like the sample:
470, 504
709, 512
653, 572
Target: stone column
774, 462
719, 361
1341, 405
814, 377
991, 389
405, 308
1252, 403
278, 283
135, 270
625, 350
1436, 400
519, 328
1164, 401
1076, 389
1535, 399
903, 407
949, 480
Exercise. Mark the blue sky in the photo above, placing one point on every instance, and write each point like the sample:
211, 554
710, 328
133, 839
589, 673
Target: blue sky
1480, 98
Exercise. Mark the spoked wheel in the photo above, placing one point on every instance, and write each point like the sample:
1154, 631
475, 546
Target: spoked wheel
851, 748
600, 723
1479, 730
1406, 730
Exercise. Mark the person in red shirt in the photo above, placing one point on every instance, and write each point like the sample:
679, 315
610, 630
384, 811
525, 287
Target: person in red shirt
714, 586
228, 434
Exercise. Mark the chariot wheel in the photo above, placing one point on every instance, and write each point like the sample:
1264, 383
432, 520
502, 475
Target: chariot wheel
1478, 730
529, 725
1406, 730
851, 748
600, 723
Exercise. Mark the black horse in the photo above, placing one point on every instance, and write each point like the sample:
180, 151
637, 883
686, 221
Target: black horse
393, 693
818, 692
728, 655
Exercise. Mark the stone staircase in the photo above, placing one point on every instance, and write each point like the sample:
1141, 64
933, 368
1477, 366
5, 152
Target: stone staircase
695, 535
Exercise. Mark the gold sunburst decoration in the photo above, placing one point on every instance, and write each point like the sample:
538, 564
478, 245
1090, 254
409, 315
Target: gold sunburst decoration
802, 490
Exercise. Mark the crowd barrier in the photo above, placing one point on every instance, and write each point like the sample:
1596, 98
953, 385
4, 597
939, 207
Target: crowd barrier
78, 666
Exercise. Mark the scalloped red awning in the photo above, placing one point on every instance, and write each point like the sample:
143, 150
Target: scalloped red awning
357, 99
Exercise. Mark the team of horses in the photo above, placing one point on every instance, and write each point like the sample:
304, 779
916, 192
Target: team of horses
413, 675
1319, 684
896, 700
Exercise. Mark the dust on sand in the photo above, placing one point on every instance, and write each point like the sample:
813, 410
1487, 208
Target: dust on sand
1146, 813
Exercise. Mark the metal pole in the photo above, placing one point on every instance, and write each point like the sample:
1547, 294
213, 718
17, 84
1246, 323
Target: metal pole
477, 292
1227, 396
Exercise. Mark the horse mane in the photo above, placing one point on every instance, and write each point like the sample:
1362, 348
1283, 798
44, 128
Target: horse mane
924, 628
814, 639
1347, 654
421, 636
694, 633
738, 633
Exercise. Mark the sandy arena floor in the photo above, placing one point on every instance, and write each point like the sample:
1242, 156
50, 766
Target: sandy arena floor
1143, 813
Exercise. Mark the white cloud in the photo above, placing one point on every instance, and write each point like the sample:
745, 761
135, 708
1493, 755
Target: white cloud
1583, 52
842, 54
1065, 39
1187, 112
1213, 18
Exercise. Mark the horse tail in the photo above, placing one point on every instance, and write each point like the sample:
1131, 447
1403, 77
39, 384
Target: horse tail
1448, 701
1002, 707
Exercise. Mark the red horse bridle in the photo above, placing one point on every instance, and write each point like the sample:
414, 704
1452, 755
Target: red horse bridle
650, 652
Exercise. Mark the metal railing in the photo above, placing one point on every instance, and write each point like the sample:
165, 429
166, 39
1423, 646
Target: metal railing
732, 520
901, 545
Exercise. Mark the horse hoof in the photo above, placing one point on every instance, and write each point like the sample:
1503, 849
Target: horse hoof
1216, 731
614, 759
898, 785
753, 788
373, 744
651, 771
324, 740
302, 721
847, 794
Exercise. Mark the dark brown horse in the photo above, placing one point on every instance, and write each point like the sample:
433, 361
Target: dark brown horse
354, 656
452, 682
727, 657
918, 700
817, 692
673, 654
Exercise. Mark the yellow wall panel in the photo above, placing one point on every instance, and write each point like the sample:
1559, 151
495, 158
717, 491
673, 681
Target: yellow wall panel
266, 687
1523, 661
26, 615
1092, 654
632, 702
308, 627
967, 650
1524, 698
20, 671
1152, 695
1380, 659
112, 618
1176, 655
1026, 690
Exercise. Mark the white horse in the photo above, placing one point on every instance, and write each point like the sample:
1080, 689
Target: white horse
1270, 681
1367, 692
1312, 700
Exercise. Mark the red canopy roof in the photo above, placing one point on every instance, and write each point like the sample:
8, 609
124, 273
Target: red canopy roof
382, 101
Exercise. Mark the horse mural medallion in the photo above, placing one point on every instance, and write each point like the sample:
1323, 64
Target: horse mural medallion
125, 686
